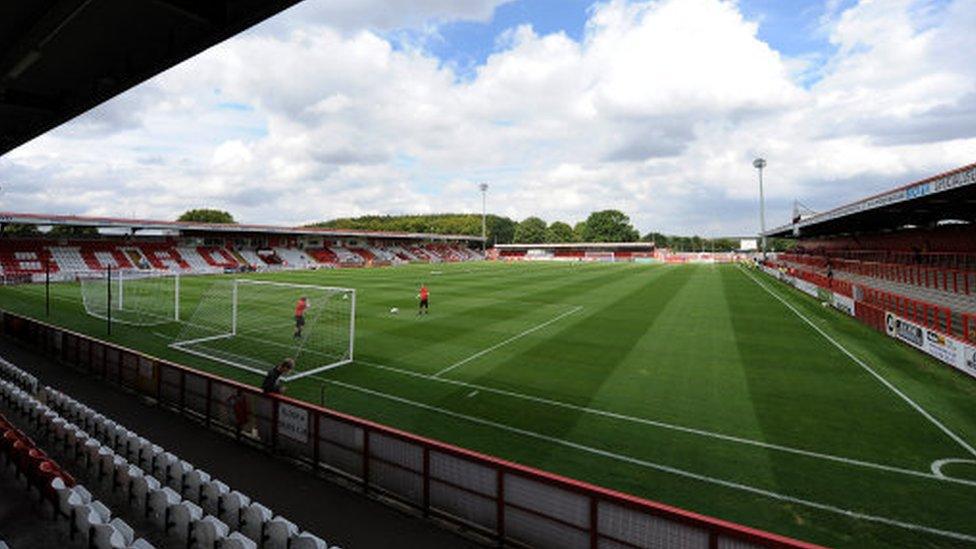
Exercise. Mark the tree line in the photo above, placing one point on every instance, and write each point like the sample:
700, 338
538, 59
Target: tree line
704, 244
603, 226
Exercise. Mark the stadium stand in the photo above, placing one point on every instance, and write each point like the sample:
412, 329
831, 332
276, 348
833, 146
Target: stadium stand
25, 260
403, 253
903, 257
579, 251
346, 256
195, 248
140, 483
936, 289
323, 255
294, 258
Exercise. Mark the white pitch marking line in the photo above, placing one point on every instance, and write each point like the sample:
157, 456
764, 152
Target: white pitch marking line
472, 393
673, 427
666, 468
507, 341
870, 370
938, 464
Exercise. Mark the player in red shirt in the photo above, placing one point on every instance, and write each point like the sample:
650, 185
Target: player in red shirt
424, 300
300, 308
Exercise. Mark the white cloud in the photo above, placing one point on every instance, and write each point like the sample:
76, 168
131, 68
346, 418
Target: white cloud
657, 111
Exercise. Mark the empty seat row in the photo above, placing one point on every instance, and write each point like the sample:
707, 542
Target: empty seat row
86, 521
163, 486
17, 376
29, 258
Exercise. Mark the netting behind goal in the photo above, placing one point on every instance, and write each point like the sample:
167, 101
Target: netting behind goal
251, 324
134, 298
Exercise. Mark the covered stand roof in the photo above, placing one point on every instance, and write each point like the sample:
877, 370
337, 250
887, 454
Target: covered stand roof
59, 58
216, 229
943, 197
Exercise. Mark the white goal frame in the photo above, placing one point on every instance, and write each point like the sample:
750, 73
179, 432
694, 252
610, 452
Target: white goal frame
115, 298
187, 346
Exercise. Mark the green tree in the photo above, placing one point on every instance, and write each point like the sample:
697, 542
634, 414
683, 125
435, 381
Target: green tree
500, 229
659, 240
531, 230
559, 232
206, 215
579, 232
609, 226
18, 229
70, 231
726, 245
780, 244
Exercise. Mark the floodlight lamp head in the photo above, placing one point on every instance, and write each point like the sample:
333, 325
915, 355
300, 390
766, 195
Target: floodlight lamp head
483, 187
759, 163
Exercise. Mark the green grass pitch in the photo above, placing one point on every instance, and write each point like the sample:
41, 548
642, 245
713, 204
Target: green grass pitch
690, 385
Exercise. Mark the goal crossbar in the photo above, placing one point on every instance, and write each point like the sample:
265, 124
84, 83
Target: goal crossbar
290, 285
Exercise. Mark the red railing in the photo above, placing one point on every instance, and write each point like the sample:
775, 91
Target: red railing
509, 502
934, 317
943, 319
950, 280
840, 286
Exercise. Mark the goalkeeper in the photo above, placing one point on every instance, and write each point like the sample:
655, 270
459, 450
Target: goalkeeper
423, 296
300, 307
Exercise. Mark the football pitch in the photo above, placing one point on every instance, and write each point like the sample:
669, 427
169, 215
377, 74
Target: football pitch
713, 388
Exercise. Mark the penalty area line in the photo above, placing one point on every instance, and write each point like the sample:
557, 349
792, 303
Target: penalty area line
867, 368
507, 341
664, 468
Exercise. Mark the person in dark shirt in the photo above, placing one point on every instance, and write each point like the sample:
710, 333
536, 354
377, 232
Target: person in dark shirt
273, 383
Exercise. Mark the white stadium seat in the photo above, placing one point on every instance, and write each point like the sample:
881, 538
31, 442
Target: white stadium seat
180, 518
278, 533
193, 484
158, 503
175, 473
305, 540
254, 519
231, 506
114, 535
208, 532
161, 466
237, 541
211, 492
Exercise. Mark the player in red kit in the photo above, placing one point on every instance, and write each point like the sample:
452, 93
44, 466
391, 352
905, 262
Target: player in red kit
300, 309
424, 296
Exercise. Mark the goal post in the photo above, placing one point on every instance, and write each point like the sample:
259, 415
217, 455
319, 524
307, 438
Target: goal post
136, 298
251, 325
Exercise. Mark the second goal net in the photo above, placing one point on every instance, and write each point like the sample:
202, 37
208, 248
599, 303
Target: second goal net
253, 325
137, 298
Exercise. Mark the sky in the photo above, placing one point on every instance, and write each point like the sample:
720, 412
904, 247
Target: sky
338, 108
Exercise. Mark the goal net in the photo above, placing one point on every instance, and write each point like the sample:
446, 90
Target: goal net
136, 298
251, 324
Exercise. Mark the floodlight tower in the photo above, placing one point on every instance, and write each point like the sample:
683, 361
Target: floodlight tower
484, 216
759, 164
